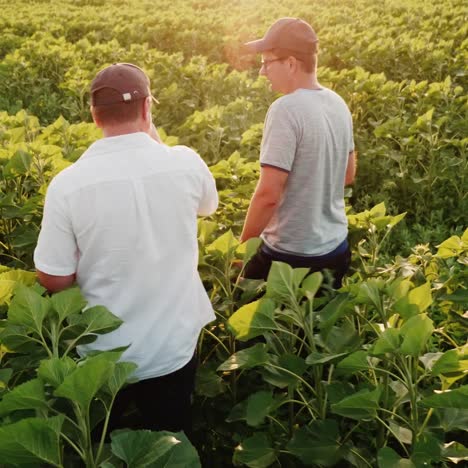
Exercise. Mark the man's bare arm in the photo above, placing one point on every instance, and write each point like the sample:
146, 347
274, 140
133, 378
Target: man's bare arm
264, 202
55, 283
350, 169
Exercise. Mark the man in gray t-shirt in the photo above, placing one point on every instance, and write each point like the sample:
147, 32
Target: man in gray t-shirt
306, 157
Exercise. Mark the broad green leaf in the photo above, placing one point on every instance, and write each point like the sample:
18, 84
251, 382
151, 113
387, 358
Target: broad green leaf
139, 449
253, 319
403, 434
355, 362
284, 370
5, 375
452, 418
53, 371
183, 455
451, 362
452, 247
457, 398
224, 244
255, 452
311, 284
97, 319
208, 382
388, 458
31, 440
249, 249
283, 282
416, 332
317, 444
246, 358
421, 296
378, 210
455, 452
84, 382
28, 308
332, 312
396, 219
29, 395
67, 302
259, 406
388, 342
16, 338
120, 375
362, 405
322, 358
426, 451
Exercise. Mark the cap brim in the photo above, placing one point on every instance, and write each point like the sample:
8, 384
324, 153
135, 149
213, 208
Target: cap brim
255, 47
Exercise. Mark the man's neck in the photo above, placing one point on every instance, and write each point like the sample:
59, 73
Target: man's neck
305, 81
118, 130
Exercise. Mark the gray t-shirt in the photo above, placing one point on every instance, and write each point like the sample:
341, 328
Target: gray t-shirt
308, 133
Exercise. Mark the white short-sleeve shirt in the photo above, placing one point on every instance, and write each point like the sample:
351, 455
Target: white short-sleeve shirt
124, 219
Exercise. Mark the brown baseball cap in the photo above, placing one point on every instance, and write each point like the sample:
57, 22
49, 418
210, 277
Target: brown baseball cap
129, 82
291, 34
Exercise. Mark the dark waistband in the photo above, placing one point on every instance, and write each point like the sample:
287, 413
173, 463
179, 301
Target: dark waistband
282, 256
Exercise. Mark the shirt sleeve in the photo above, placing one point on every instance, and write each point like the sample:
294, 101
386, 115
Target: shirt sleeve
279, 140
209, 197
56, 252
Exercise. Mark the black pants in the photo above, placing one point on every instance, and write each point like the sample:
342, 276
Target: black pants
158, 404
260, 264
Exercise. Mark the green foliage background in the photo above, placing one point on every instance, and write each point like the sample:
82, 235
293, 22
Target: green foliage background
402, 67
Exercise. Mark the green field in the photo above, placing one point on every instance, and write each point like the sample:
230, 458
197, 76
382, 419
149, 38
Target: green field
372, 375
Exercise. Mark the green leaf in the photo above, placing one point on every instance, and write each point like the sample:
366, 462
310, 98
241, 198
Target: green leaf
450, 363
421, 296
97, 319
255, 452
317, 444
426, 451
457, 398
67, 302
455, 452
283, 282
249, 248
416, 332
84, 382
388, 458
246, 358
208, 382
259, 406
287, 370
29, 395
361, 405
224, 244
119, 377
53, 371
355, 362
253, 319
31, 440
28, 309
139, 449
311, 284
322, 358
331, 313
452, 418
388, 342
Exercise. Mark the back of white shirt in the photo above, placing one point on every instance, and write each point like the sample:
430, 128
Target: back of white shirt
124, 218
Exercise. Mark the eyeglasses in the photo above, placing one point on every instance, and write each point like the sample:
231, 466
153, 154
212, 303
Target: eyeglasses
266, 63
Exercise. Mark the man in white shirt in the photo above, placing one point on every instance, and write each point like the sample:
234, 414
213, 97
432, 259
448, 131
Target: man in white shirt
122, 223
306, 158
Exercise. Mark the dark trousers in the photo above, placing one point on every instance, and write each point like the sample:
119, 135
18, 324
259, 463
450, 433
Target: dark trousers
260, 264
158, 404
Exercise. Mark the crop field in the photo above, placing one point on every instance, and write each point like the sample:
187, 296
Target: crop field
292, 373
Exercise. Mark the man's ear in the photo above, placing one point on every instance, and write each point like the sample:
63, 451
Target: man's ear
95, 118
147, 109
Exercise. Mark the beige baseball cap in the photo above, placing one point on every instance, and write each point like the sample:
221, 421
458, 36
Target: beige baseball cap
292, 34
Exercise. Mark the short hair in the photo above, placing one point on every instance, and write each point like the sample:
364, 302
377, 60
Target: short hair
308, 61
116, 113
